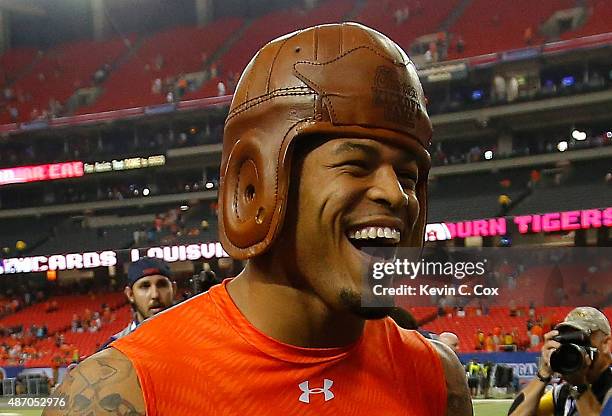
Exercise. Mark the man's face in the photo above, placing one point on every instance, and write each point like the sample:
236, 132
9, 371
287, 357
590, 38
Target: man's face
150, 295
602, 342
341, 187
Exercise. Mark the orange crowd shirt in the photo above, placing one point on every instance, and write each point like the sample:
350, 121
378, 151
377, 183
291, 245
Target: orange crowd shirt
203, 357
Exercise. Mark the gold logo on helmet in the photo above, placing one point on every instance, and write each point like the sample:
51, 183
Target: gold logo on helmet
398, 99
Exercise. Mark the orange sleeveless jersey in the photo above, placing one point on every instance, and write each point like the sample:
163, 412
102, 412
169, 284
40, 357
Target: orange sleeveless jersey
203, 357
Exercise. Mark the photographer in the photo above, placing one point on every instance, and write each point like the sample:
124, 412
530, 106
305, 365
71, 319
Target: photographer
579, 350
203, 281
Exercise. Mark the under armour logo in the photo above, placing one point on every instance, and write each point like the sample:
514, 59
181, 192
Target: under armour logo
305, 396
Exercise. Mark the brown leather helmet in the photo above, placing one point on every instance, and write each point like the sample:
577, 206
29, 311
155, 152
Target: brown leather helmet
337, 80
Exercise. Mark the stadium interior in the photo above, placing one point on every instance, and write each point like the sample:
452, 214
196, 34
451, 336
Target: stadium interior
111, 132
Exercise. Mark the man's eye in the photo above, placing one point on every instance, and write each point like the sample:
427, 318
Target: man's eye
356, 165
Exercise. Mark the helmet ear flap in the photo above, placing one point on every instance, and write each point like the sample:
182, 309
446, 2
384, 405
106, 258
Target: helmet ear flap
247, 200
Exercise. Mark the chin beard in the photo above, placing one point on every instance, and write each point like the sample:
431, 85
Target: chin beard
352, 300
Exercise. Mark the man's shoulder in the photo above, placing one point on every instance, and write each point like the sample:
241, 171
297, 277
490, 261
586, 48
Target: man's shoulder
162, 332
389, 326
402, 339
104, 383
458, 396
424, 354
191, 310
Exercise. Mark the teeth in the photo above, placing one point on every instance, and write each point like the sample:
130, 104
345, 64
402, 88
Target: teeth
376, 232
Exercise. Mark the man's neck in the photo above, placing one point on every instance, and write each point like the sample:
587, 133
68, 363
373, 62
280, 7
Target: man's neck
291, 315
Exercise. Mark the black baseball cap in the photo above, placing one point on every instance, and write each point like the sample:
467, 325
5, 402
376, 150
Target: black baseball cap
148, 266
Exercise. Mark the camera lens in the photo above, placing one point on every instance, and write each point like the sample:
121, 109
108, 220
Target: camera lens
567, 359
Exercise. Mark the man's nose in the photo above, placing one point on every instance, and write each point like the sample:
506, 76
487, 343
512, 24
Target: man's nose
154, 292
386, 188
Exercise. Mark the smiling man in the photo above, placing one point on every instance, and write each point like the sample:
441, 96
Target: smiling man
324, 153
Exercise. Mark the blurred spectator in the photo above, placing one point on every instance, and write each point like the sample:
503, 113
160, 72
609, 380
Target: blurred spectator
460, 45
401, 15
181, 86
528, 35
490, 345
156, 87
214, 71
158, 63
221, 89
512, 90
499, 88
479, 340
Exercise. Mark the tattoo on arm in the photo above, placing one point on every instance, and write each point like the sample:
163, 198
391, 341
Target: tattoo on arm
459, 402
101, 386
517, 402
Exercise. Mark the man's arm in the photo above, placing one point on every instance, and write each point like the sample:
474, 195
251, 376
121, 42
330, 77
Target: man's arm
527, 403
588, 405
459, 402
104, 384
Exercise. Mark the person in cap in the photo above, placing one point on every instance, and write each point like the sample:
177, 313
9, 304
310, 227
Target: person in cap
324, 152
582, 392
149, 290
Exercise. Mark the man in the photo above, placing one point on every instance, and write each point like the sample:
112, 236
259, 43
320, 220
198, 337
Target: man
451, 340
150, 290
474, 370
325, 141
582, 392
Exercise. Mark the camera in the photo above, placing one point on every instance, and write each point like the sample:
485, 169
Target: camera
203, 281
570, 356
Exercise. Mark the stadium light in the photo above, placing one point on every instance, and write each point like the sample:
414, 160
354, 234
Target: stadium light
579, 135
184, 207
609, 134
209, 185
488, 155
562, 146
146, 191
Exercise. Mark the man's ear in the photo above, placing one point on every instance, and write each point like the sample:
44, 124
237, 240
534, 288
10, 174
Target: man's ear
129, 294
607, 344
